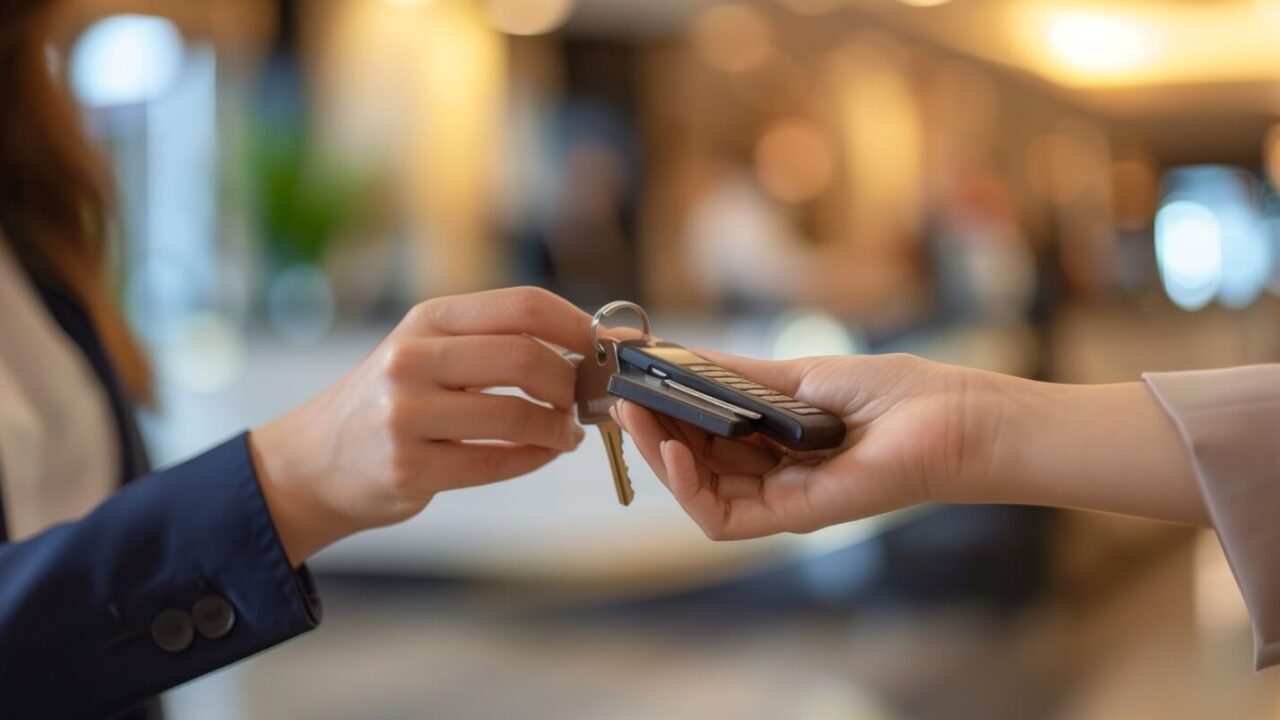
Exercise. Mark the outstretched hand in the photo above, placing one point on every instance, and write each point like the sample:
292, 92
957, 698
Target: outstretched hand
909, 439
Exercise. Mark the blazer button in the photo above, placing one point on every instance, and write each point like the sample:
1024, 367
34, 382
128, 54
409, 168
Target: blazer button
172, 630
214, 616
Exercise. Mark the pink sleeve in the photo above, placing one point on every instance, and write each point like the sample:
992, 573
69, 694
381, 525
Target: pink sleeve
1230, 422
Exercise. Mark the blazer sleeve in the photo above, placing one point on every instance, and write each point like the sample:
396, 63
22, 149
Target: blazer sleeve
1230, 422
177, 574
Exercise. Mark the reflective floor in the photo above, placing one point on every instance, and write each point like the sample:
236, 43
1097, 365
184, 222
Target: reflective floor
1160, 638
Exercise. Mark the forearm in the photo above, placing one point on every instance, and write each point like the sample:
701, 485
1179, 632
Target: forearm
1110, 448
118, 604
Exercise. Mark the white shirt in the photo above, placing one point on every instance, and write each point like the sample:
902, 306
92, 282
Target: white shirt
59, 447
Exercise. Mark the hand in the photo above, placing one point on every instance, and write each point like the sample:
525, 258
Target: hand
918, 432
903, 434
408, 421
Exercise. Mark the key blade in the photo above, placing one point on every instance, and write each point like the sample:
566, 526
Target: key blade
591, 389
612, 436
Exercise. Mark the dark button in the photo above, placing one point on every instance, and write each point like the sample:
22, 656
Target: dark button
172, 630
214, 616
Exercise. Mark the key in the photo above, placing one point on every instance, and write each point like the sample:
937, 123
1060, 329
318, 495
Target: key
594, 401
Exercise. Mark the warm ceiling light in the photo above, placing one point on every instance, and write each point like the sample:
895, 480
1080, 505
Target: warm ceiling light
924, 3
1099, 44
732, 37
409, 3
528, 17
1270, 9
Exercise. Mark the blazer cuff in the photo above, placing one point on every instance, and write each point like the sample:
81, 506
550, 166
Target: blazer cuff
1230, 422
230, 589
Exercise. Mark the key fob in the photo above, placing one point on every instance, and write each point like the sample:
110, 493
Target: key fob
648, 391
673, 380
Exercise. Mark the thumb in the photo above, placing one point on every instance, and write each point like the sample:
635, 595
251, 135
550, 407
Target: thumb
782, 375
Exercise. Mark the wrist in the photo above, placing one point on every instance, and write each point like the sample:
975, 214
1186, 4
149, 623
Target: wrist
1109, 447
293, 493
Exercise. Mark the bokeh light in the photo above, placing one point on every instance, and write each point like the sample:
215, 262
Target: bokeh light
207, 353
1098, 43
126, 59
924, 3
1189, 253
732, 37
1213, 239
528, 17
810, 332
794, 161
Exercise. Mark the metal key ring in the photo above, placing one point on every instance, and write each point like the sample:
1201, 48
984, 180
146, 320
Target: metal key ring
609, 310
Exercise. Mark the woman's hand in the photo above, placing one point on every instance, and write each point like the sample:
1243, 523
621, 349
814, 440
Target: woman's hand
409, 422
919, 432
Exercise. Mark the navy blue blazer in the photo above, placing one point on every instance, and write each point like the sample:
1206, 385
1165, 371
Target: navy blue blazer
179, 573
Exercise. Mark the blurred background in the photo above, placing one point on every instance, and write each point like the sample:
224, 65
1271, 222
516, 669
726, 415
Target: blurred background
1061, 189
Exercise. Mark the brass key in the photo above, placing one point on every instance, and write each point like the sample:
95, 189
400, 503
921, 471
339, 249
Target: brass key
593, 409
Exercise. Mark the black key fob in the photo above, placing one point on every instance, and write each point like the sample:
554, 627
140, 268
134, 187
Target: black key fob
675, 381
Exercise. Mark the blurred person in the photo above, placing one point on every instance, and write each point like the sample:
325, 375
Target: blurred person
749, 254
108, 597
1198, 448
984, 265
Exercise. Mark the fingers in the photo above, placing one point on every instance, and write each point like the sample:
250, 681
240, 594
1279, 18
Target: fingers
727, 505
719, 517
479, 416
731, 456
478, 361
456, 465
646, 432
510, 311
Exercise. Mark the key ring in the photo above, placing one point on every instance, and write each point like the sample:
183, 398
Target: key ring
609, 310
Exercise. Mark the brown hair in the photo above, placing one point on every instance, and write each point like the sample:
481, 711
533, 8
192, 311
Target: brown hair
54, 193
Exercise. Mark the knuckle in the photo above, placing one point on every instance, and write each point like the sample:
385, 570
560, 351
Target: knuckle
426, 312
526, 301
395, 415
400, 359
524, 356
